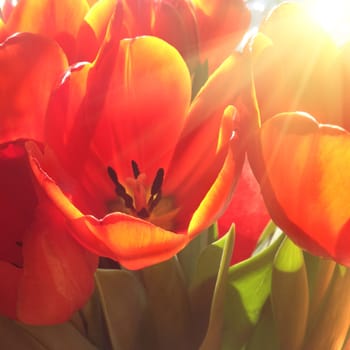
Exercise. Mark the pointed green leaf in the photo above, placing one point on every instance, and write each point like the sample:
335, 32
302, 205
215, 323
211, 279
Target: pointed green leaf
188, 257
290, 295
249, 287
213, 337
203, 286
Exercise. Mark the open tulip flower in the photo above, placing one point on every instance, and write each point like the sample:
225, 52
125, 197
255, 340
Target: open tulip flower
136, 169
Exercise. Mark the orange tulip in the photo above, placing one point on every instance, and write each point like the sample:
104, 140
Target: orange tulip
135, 168
302, 169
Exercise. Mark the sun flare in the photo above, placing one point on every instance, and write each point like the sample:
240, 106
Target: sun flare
334, 16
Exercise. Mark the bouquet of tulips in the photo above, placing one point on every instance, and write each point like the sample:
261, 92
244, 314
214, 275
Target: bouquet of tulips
161, 189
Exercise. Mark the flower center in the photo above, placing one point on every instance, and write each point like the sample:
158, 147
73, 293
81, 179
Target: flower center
139, 200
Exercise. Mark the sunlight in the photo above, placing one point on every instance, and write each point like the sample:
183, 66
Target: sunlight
334, 16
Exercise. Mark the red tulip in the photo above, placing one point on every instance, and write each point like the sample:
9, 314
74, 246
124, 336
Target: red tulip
135, 168
302, 168
248, 213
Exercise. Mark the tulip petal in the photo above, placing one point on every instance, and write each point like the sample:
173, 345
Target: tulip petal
58, 275
221, 25
247, 212
59, 19
303, 173
93, 29
30, 67
8, 294
145, 106
218, 197
132, 242
203, 123
129, 240
304, 86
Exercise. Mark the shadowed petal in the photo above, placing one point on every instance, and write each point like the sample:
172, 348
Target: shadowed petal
58, 275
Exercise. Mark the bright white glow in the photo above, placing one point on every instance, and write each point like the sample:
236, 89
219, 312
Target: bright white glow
13, 3
334, 16
258, 6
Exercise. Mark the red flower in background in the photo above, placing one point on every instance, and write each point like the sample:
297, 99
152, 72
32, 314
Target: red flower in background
136, 169
248, 213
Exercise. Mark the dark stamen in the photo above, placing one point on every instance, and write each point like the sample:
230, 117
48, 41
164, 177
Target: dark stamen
113, 175
135, 169
143, 213
120, 189
154, 200
158, 181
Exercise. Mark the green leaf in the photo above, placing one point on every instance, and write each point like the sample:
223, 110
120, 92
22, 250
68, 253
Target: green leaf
168, 300
290, 295
124, 306
188, 257
249, 287
264, 336
213, 336
320, 273
330, 327
91, 322
204, 283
